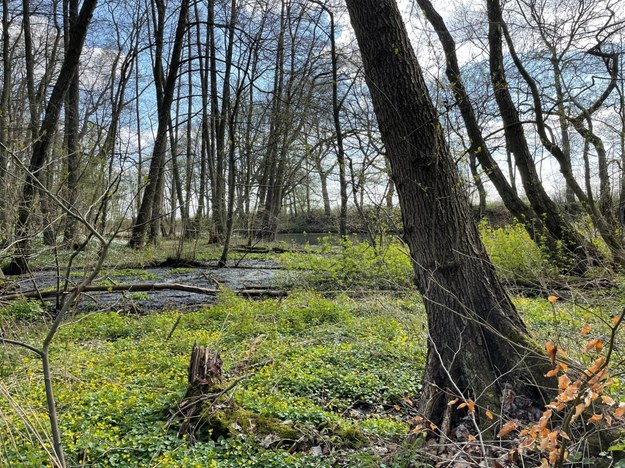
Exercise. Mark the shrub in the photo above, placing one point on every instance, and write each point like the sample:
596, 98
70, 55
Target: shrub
349, 264
514, 254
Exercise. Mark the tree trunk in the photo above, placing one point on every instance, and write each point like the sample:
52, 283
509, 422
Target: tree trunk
71, 130
150, 204
478, 342
5, 100
46, 134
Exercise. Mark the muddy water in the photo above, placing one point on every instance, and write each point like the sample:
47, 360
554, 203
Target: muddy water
250, 274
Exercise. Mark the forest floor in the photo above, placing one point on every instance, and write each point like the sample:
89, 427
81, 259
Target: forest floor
328, 375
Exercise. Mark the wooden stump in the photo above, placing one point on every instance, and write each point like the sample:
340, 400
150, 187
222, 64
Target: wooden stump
204, 369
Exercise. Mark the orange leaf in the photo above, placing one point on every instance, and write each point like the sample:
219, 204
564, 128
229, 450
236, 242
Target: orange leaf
554, 455
579, 409
471, 405
595, 418
585, 330
507, 428
564, 366
608, 400
471, 438
433, 426
551, 352
453, 402
553, 372
462, 405
489, 415
616, 320
596, 344
563, 382
397, 407
553, 299
545, 418
620, 411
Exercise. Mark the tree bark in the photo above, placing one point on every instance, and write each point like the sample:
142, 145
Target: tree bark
71, 129
41, 145
5, 101
478, 342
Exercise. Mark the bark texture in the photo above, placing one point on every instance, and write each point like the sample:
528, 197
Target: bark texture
478, 343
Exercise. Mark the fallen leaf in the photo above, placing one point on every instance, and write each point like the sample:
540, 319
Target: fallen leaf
594, 419
553, 299
607, 400
616, 320
545, 418
585, 330
489, 415
507, 428
453, 402
620, 411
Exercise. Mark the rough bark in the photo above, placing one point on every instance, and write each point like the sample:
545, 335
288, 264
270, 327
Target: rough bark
71, 129
478, 342
5, 101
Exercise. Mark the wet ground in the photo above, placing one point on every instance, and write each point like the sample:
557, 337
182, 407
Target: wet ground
249, 274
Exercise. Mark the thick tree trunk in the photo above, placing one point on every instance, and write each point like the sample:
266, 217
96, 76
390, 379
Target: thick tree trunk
478, 343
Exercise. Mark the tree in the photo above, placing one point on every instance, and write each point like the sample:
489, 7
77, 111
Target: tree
478, 343
165, 87
78, 33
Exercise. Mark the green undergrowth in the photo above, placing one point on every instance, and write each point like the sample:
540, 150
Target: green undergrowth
319, 363
347, 264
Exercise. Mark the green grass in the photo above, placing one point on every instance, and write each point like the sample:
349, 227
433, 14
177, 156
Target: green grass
116, 379
336, 365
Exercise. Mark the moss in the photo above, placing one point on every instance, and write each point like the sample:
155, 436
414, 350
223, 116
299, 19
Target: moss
346, 435
232, 420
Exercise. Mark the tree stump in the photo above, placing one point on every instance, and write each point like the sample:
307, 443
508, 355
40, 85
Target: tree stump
204, 379
204, 369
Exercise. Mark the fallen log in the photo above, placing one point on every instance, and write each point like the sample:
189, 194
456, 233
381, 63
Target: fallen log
136, 287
